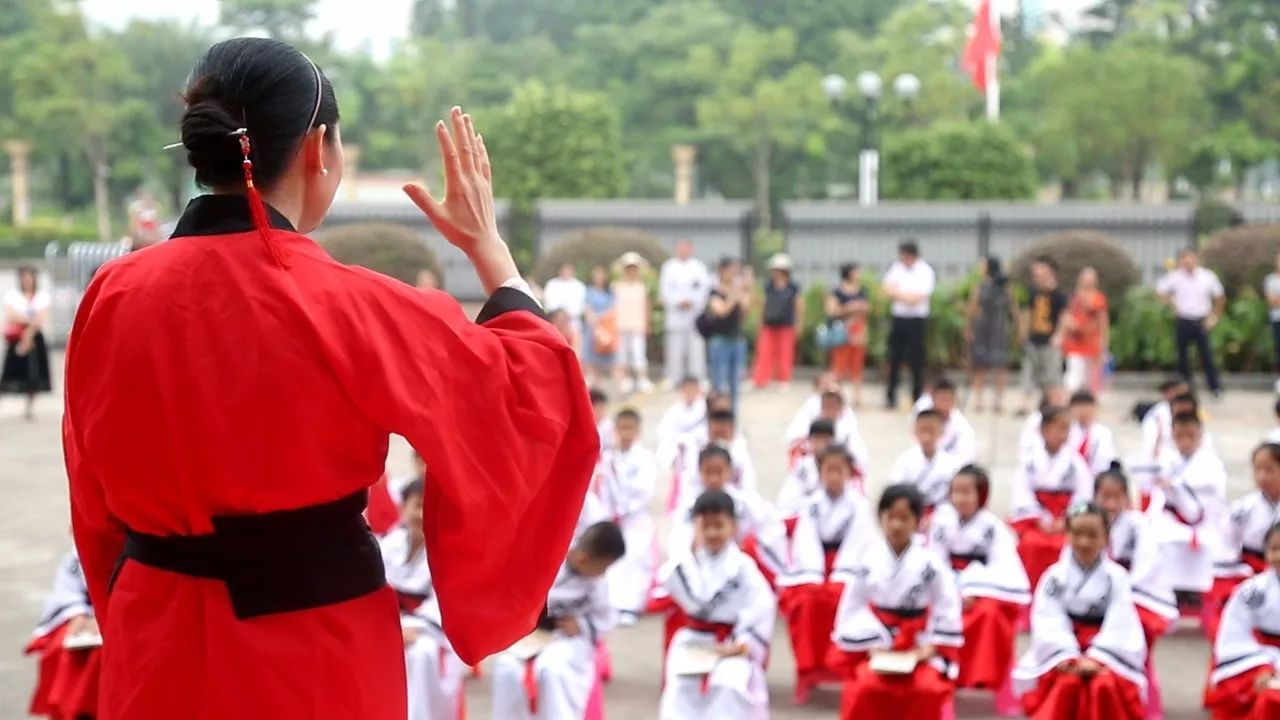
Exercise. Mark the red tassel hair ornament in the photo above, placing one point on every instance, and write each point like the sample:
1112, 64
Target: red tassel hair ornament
257, 208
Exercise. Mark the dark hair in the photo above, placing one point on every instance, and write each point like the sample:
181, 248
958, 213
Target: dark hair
1052, 414
981, 481
413, 488
715, 450
1270, 448
1170, 383
716, 397
995, 271
822, 427
598, 396
833, 394
1187, 418
1083, 397
602, 541
591, 276
714, 502
720, 416
944, 385
1088, 508
1186, 397
847, 269
837, 451
1112, 474
1277, 407
929, 414
1047, 262
28, 270
1266, 539
903, 491
627, 413
908, 246
265, 86
726, 262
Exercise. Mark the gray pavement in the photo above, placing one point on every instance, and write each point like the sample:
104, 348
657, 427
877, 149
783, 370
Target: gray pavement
34, 532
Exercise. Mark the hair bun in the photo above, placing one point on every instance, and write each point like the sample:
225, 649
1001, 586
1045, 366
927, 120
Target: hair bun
207, 134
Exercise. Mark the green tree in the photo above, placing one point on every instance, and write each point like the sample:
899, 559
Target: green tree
815, 22
761, 100
964, 161
282, 19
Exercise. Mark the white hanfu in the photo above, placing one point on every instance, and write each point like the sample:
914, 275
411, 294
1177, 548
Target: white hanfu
727, 590
1254, 607
625, 487
847, 431
1133, 546
1098, 594
1097, 445
1157, 430
756, 518
593, 511
1188, 517
433, 671
1062, 474
908, 584
959, 438
930, 475
688, 479
844, 524
798, 486
565, 670
985, 549
1243, 535
682, 419
69, 598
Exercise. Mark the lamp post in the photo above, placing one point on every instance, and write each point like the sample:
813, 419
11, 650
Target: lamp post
906, 86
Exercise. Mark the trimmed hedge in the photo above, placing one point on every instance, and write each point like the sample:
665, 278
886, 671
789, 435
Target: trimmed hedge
601, 245
392, 250
1075, 250
1242, 256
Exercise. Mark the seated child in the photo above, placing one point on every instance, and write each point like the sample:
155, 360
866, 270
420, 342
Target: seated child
556, 683
685, 416
994, 590
1157, 423
925, 464
811, 408
1188, 508
899, 597
1049, 478
383, 510
958, 436
1242, 685
1250, 518
1054, 396
67, 679
604, 425
721, 430
802, 481
1087, 652
833, 529
433, 671
1095, 441
625, 488
729, 610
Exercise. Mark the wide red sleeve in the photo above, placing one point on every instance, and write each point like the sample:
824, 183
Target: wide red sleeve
99, 536
500, 413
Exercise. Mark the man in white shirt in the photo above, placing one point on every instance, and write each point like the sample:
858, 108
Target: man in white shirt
909, 283
683, 286
1197, 298
566, 292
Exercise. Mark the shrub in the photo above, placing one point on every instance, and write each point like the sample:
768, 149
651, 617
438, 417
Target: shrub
962, 161
1214, 215
1242, 256
601, 245
393, 250
29, 241
1142, 333
1075, 250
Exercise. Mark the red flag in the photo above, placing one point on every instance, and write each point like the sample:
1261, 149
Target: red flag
983, 46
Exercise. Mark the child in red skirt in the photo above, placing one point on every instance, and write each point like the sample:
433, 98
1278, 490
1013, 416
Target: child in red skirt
69, 645
1242, 536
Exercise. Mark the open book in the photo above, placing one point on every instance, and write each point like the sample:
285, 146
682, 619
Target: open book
82, 641
894, 663
693, 659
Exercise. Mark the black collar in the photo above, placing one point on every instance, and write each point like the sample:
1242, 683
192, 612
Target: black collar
223, 215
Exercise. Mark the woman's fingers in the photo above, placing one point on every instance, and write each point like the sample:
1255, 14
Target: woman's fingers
474, 139
462, 136
483, 158
429, 206
449, 154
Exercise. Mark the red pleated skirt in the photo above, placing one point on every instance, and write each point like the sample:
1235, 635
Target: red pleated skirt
1038, 549
987, 655
1066, 696
67, 680
1237, 699
810, 611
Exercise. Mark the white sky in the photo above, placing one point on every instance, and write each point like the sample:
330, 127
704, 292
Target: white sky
353, 22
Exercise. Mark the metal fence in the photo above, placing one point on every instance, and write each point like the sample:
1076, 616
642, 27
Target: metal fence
66, 274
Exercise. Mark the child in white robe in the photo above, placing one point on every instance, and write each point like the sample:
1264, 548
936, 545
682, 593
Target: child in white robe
556, 682
69, 645
1054, 396
1248, 521
1087, 651
979, 547
721, 430
1095, 441
899, 598
802, 480
1246, 650
604, 424
686, 416
811, 408
728, 610
625, 487
434, 673
1157, 423
926, 465
958, 437
1188, 508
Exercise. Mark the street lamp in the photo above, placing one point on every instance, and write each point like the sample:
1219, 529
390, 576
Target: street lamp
906, 86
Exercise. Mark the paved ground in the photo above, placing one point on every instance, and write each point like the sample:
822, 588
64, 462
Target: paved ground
34, 534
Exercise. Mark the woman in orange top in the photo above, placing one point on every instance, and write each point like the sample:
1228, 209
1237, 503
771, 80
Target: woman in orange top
1088, 332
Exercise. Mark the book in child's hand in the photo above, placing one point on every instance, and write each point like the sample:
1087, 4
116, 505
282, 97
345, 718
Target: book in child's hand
82, 641
1274, 684
894, 663
694, 659
528, 647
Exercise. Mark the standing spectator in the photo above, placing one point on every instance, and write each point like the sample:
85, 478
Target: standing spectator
566, 292
990, 315
849, 303
1041, 332
723, 327
909, 283
1271, 289
1197, 299
144, 220
632, 311
779, 326
683, 284
26, 360
1087, 334
600, 341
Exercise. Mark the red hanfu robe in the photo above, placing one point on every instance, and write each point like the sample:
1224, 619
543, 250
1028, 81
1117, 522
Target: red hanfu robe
1247, 646
1044, 486
206, 379
67, 679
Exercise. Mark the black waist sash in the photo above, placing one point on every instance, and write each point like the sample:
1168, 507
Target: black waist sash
1089, 620
278, 561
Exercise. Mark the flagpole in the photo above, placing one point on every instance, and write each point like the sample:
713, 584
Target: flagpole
993, 87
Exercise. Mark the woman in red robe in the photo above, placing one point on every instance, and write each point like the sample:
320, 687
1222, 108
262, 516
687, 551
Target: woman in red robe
229, 398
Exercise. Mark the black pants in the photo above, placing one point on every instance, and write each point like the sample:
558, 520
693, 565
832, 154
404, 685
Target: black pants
906, 345
1275, 344
1189, 331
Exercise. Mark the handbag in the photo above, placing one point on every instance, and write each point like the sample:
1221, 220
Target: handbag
604, 336
831, 334
13, 332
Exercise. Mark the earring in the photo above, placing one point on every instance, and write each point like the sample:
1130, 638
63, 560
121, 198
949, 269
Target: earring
324, 172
